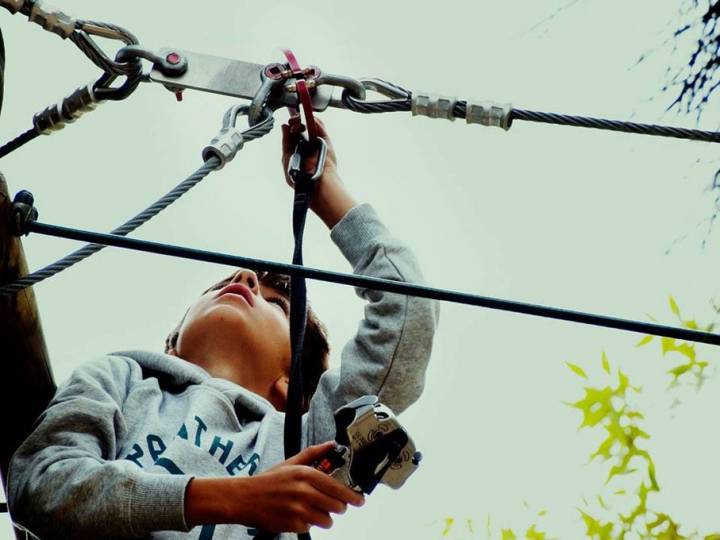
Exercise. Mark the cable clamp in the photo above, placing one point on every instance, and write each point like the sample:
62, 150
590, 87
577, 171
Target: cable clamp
51, 19
489, 113
54, 117
224, 145
23, 212
433, 106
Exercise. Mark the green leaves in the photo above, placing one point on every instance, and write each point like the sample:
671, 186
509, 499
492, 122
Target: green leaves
448, 525
605, 363
608, 407
595, 529
610, 410
674, 307
577, 370
595, 406
690, 367
533, 534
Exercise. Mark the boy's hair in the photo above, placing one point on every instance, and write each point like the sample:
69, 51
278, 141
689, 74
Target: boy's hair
315, 349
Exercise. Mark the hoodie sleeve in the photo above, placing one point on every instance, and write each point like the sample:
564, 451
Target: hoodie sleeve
389, 353
64, 480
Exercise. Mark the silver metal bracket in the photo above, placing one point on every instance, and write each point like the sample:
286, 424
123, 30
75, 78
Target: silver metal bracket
234, 78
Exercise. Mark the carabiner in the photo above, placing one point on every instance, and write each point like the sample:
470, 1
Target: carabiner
296, 161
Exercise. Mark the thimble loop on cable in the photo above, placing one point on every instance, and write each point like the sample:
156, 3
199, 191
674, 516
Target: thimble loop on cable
23, 212
398, 98
230, 139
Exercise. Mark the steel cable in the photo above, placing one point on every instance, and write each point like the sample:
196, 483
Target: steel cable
374, 283
127, 227
615, 125
18, 141
460, 110
253, 132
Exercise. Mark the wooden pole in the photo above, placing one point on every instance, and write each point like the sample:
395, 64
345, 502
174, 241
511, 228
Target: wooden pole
26, 380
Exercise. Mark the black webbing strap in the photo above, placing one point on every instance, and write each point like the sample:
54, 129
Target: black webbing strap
298, 319
304, 184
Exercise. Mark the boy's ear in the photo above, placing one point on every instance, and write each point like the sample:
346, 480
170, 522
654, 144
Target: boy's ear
280, 391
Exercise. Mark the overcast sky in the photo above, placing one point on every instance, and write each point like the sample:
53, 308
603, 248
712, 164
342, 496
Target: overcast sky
553, 215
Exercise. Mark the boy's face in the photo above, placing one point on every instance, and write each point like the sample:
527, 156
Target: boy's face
242, 318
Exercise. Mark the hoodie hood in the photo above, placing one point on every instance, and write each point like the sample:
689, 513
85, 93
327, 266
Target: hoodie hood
174, 373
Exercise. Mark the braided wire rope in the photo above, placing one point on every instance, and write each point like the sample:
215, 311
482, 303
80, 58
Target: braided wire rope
97, 56
89, 49
127, 227
401, 104
81, 38
460, 110
111, 69
18, 141
122, 34
615, 125
253, 132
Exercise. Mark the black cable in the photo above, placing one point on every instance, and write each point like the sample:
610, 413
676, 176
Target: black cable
460, 109
376, 284
602, 123
615, 125
18, 141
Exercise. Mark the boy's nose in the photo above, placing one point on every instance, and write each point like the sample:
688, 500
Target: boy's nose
247, 277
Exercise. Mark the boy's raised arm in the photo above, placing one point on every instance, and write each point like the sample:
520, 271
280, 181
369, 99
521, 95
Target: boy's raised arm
390, 351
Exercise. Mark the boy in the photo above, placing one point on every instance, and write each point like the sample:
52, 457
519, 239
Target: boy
145, 444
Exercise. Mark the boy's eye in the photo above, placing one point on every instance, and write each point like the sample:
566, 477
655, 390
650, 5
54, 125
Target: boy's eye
281, 302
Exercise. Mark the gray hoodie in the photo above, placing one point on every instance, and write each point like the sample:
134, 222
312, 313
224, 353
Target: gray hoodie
115, 449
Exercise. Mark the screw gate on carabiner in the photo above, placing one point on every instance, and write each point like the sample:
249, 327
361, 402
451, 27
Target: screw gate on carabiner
303, 151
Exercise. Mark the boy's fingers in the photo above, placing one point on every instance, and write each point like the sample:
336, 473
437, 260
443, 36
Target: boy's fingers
285, 139
324, 502
333, 488
311, 454
322, 131
319, 518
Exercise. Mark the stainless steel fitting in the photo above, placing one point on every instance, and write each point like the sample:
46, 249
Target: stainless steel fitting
489, 113
433, 106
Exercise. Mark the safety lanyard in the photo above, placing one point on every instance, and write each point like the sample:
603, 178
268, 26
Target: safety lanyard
304, 184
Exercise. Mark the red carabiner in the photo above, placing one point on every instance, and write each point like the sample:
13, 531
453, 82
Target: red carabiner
304, 97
